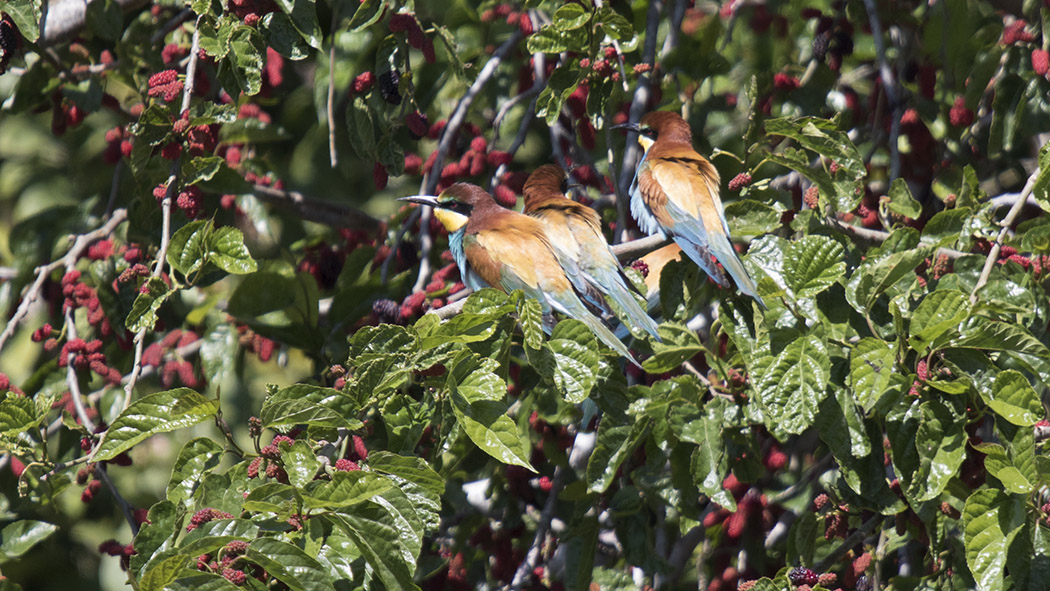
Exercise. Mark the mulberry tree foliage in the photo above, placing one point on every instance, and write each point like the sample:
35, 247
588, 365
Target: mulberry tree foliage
230, 358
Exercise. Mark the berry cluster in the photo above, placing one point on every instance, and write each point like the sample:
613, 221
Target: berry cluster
174, 367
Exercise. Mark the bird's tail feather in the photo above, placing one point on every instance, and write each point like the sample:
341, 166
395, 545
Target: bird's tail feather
726, 254
624, 298
574, 308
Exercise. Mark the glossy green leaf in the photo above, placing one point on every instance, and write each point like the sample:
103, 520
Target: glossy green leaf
197, 457
989, 518
187, 249
300, 462
17, 414
616, 442
160, 412
289, 564
938, 313
19, 537
345, 489
941, 448
871, 365
304, 17
574, 359
226, 250
901, 202
280, 34
1014, 399
304, 404
570, 16
679, 345
360, 124
242, 67
477, 400
792, 388
366, 14
710, 464
813, 264
143, 314
374, 532
530, 316
998, 464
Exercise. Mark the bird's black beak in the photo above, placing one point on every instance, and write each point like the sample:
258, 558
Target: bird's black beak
421, 199
628, 126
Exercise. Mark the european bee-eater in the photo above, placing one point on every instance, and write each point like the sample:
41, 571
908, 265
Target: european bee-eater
575, 232
675, 194
497, 247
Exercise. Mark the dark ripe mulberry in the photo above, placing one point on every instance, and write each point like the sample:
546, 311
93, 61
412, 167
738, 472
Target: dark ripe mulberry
386, 311
802, 576
390, 86
10, 41
820, 46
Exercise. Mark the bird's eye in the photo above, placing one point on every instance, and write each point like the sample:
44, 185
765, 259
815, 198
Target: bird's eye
648, 132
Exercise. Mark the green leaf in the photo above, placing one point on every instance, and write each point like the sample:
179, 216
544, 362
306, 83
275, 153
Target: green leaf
242, 67
300, 462
143, 314
871, 279
226, 250
981, 333
200, 168
813, 264
710, 462
187, 250
304, 18
901, 201
198, 457
617, 440
19, 537
479, 409
105, 18
871, 366
411, 469
574, 360
345, 489
999, 465
279, 33
941, 447
305, 404
569, 17
360, 124
748, 217
792, 388
160, 412
615, 25
679, 345
17, 414
374, 532
1041, 188
201, 582
989, 518
289, 564
273, 497
560, 85
1014, 399
26, 15
530, 316
366, 14
162, 570
938, 313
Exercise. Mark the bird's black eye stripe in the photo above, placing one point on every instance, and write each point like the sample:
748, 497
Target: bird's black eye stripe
648, 132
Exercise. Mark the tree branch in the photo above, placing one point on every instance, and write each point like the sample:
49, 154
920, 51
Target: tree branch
1007, 222
80, 244
62, 19
322, 212
542, 527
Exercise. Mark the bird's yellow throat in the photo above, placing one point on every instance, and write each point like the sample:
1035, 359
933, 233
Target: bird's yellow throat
451, 220
645, 142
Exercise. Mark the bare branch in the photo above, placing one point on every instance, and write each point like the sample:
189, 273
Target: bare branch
880, 236
627, 251
1007, 222
125, 507
336, 215
889, 86
333, 156
542, 527
62, 19
80, 244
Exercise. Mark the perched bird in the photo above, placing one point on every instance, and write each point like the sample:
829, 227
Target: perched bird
575, 232
675, 194
497, 247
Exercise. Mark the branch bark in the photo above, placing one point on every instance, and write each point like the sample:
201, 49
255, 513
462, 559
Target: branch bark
1007, 222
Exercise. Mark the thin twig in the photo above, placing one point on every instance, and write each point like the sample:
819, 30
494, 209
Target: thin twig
171, 24
332, 155
881, 235
314, 210
125, 507
1006, 224
851, 541
638, 105
165, 208
80, 244
532, 557
71, 371
889, 86
459, 114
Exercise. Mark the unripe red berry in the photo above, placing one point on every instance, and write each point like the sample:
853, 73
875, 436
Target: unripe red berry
740, 181
1040, 61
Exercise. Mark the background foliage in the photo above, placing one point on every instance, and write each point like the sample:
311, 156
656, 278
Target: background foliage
217, 370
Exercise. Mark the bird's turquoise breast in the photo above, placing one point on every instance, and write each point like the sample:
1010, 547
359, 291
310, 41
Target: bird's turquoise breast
470, 278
